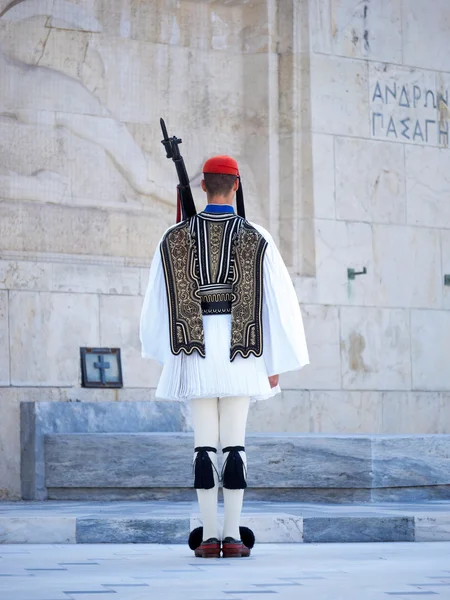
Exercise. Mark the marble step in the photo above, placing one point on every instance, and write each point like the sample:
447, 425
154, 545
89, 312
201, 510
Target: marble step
143, 451
62, 522
282, 466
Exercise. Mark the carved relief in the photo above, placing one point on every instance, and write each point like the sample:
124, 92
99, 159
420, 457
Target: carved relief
46, 106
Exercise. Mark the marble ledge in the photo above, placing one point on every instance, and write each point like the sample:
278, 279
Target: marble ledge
273, 526
57, 257
432, 528
128, 460
122, 531
70, 277
284, 528
35, 530
358, 529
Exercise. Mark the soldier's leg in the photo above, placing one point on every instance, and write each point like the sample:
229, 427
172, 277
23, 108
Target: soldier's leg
232, 424
205, 422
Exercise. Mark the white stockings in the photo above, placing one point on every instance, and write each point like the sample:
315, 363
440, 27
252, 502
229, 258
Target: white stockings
220, 420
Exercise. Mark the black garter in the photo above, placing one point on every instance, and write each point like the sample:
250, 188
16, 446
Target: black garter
204, 468
233, 470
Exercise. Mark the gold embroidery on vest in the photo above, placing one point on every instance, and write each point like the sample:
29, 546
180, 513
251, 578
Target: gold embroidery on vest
246, 310
181, 271
179, 262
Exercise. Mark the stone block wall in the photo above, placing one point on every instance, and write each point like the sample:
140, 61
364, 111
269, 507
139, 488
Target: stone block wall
380, 149
337, 112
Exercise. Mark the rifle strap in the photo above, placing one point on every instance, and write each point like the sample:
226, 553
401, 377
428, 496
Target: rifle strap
178, 206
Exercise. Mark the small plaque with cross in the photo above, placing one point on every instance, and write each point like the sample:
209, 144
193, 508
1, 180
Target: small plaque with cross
101, 367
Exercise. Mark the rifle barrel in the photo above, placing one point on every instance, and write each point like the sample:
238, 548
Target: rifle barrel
164, 129
184, 189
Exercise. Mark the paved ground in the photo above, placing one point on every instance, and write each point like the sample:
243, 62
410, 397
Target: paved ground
280, 571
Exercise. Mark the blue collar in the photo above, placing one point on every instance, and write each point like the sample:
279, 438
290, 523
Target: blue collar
219, 208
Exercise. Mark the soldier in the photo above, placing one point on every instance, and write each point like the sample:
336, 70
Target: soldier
221, 315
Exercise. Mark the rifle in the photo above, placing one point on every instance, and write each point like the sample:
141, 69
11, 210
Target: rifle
185, 200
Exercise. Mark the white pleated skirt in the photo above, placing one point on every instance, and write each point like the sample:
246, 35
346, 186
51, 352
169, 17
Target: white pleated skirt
186, 377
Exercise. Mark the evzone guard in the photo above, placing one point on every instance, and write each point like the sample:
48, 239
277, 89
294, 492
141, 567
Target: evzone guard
221, 315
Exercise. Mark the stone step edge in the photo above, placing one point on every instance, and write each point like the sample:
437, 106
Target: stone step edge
268, 528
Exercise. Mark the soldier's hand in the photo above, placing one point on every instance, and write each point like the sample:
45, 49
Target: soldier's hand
273, 380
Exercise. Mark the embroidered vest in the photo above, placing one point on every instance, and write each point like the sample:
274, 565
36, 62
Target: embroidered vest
213, 264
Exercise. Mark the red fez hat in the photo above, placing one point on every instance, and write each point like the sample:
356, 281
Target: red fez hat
228, 166
221, 164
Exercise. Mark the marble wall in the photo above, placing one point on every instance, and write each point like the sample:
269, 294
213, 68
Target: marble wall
337, 111
380, 143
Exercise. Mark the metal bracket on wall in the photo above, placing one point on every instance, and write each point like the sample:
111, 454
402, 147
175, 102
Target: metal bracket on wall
446, 279
351, 273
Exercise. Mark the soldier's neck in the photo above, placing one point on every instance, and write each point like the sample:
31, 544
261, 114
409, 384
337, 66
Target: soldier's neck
220, 200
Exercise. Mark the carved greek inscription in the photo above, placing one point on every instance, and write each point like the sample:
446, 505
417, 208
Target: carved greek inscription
410, 113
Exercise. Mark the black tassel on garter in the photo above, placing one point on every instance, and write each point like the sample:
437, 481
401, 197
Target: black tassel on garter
233, 471
203, 468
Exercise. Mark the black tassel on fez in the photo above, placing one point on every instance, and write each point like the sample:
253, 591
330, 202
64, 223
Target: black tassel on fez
233, 471
203, 468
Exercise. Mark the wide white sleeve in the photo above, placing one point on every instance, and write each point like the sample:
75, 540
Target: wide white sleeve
154, 322
284, 341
